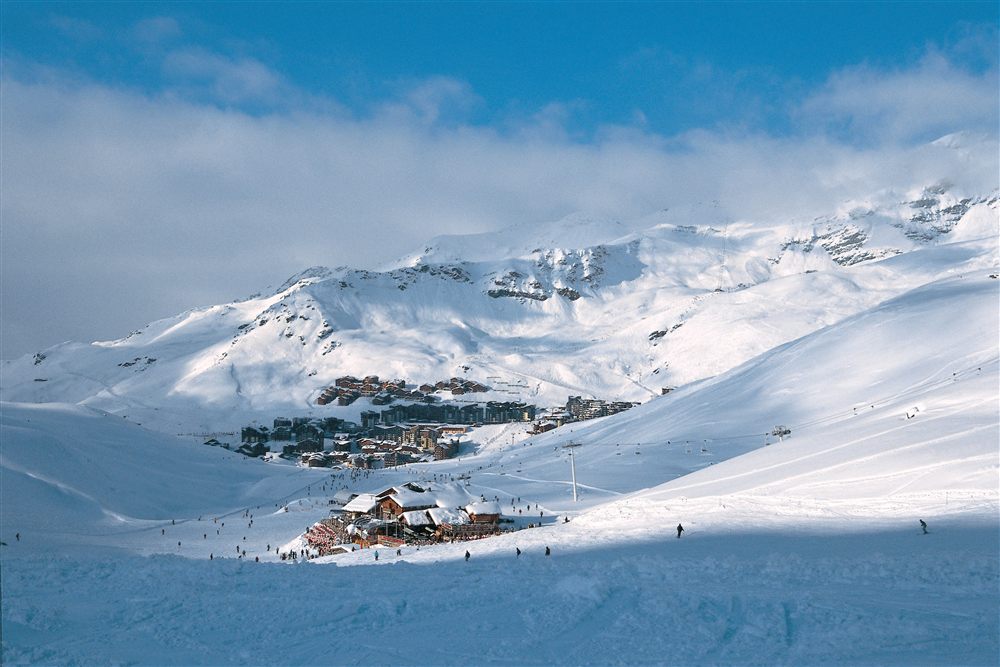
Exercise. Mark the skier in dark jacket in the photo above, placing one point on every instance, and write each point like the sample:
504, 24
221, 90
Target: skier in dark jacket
548, 552
923, 525
680, 529
467, 556
518, 551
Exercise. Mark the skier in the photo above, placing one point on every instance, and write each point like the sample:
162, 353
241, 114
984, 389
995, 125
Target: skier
18, 536
518, 550
680, 529
467, 556
923, 525
376, 556
548, 552
211, 557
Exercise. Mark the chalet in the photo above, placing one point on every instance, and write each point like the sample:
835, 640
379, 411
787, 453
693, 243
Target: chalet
339, 458
417, 519
446, 516
347, 398
382, 398
484, 512
314, 460
445, 449
361, 461
452, 429
282, 422
348, 381
254, 435
327, 396
308, 432
360, 505
543, 427
457, 391
427, 388
405, 499
253, 450
303, 446
342, 444
370, 379
440, 385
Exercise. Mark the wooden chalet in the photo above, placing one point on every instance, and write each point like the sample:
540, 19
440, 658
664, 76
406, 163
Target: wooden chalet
348, 381
397, 500
361, 505
484, 512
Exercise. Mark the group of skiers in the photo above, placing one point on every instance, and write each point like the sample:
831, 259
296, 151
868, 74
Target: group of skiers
517, 553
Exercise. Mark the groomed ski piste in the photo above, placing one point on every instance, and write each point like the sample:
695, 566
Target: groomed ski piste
802, 551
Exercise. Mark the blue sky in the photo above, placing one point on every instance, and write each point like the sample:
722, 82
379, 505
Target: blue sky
668, 66
181, 154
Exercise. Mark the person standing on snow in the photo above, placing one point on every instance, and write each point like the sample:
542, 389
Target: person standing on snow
467, 556
548, 552
923, 525
376, 555
680, 529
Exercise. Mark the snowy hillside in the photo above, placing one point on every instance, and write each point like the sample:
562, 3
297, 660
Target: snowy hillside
834, 382
804, 551
583, 306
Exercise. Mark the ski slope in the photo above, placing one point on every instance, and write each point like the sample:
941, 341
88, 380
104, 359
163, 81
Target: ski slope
803, 551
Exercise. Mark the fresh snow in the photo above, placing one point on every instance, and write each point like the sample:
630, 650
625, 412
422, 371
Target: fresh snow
801, 550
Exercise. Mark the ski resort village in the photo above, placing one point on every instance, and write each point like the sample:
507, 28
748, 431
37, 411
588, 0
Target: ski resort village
518, 334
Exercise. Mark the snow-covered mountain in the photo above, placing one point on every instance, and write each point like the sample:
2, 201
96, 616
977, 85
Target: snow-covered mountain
606, 308
803, 551
867, 334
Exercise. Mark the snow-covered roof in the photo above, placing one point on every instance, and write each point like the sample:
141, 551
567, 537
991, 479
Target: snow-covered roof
488, 507
416, 518
344, 496
363, 503
447, 515
407, 498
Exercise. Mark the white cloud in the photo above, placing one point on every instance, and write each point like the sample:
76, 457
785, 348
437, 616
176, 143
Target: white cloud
119, 207
228, 79
921, 103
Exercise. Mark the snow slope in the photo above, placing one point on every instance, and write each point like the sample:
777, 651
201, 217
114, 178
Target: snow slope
804, 551
606, 308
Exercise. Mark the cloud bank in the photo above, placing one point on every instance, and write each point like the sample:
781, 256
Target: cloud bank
120, 206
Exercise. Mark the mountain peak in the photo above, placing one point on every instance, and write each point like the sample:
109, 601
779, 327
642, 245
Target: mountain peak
312, 274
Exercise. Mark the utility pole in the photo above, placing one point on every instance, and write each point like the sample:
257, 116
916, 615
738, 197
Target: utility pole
572, 465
